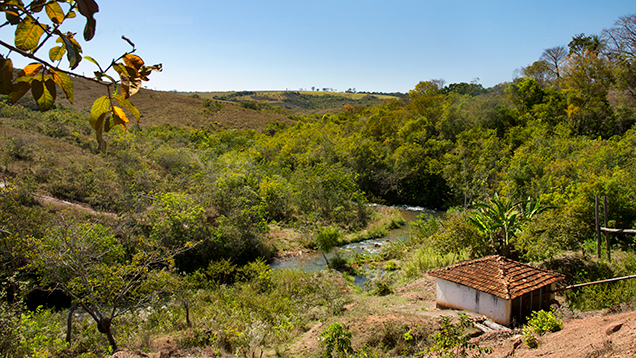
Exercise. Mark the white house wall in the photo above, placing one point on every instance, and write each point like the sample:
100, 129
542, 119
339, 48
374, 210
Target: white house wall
457, 296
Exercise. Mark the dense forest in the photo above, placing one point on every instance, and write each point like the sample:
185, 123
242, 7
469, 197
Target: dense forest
186, 217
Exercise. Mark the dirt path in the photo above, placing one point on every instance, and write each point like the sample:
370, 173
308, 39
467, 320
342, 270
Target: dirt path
598, 335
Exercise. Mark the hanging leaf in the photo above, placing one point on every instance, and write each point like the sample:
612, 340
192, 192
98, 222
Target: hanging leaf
56, 53
146, 70
88, 8
128, 105
19, 89
73, 50
37, 5
6, 75
65, 83
99, 129
28, 34
55, 13
120, 117
31, 69
100, 107
44, 93
133, 61
12, 16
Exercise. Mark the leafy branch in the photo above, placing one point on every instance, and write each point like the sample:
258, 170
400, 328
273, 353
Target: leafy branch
42, 77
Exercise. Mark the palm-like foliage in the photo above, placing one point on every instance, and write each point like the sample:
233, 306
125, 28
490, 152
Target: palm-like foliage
501, 220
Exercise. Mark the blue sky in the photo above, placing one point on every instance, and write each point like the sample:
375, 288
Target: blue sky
367, 45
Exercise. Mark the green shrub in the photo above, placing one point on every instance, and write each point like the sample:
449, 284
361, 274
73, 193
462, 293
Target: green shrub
381, 285
336, 339
17, 148
451, 340
529, 337
544, 321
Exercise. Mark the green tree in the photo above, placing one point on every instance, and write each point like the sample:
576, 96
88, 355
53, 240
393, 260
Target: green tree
91, 265
326, 240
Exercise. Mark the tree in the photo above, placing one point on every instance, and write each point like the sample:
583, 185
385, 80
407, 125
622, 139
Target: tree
555, 57
33, 32
540, 72
581, 44
93, 267
621, 48
326, 240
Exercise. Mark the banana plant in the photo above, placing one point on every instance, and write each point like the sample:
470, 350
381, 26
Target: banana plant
501, 220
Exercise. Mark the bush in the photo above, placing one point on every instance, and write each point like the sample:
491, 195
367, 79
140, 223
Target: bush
544, 321
17, 148
380, 285
336, 339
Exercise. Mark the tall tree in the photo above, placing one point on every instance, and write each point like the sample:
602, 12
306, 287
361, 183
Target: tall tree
555, 57
621, 48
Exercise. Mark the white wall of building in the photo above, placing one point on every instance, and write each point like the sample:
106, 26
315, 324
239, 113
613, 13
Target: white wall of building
454, 295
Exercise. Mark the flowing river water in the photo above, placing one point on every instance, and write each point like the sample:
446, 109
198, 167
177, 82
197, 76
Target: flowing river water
314, 261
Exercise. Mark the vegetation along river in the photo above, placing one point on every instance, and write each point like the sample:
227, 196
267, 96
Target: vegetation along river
314, 261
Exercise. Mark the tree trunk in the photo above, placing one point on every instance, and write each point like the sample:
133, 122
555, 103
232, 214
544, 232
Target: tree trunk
69, 322
103, 326
186, 307
325, 256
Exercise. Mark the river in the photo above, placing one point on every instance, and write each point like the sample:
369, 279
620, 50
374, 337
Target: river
314, 261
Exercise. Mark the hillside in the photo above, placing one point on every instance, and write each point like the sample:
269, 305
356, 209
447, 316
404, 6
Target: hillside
299, 101
158, 107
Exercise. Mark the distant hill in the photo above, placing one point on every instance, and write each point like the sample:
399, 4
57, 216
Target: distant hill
297, 101
159, 108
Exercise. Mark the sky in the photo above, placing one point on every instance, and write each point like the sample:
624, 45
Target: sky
371, 45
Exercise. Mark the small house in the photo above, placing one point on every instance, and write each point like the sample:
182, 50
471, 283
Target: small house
499, 288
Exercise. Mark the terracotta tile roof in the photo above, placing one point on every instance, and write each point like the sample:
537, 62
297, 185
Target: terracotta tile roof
498, 276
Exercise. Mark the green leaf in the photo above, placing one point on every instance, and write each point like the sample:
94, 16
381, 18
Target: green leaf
19, 89
28, 34
6, 75
37, 5
93, 61
99, 130
56, 53
55, 12
65, 83
100, 107
73, 51
128, 105
88, 8
43, 93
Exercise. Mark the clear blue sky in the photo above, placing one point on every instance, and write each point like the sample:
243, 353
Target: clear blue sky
367, 45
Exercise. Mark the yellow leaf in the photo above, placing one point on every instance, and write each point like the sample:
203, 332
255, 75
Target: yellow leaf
31, 69
55, 12
65, 83
44, 93
100, 107
128, 105
28, 34
119, 117
133, 61
56, 53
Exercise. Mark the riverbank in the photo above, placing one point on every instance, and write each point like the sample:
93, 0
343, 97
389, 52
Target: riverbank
291, 242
